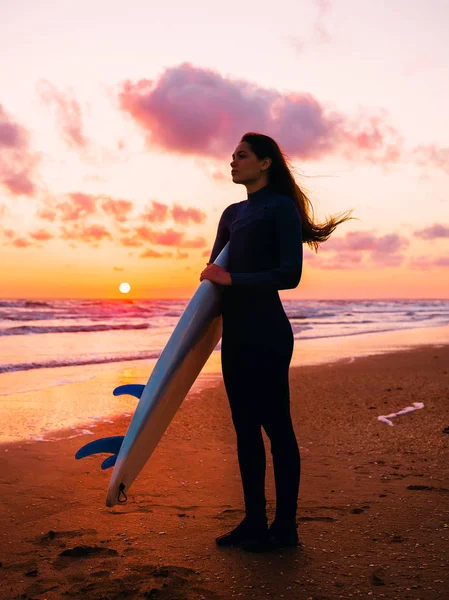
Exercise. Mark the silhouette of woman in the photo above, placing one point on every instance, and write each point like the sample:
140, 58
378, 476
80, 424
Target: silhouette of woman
266, 233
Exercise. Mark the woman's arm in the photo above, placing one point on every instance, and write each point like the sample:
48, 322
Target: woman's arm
288, 274
223, 233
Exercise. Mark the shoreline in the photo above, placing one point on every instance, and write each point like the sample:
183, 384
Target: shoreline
41, 407
372, 512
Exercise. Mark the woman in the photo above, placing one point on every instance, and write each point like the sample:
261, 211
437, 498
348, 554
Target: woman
265, 234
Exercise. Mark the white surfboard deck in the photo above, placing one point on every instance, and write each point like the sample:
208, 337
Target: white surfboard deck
194, 338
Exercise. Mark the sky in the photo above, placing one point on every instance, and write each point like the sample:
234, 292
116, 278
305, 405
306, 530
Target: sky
118, 121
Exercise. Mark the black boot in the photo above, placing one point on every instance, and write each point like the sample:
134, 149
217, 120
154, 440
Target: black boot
280, 535
248, 529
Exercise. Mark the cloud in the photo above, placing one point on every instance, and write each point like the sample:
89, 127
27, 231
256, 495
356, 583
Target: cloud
157, 212
194, 111
150, 253
47, 214
85, 233
168, 237
68, 112
359, 241
359, 249
41, 235
425, 263
21, 243
17, 163
432, 155
118, 269
119, 209
131, 241
433, 232
320, 31
78, 205
184, 215
344, 260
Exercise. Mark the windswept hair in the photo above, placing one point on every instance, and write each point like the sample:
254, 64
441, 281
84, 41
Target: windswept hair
281, 179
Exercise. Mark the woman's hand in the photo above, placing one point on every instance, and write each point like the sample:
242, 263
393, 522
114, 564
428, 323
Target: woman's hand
216, 274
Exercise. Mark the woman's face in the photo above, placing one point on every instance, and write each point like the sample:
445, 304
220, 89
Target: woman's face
246, 166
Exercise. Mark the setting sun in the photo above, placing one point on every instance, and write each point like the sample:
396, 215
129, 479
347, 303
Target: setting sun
124, 288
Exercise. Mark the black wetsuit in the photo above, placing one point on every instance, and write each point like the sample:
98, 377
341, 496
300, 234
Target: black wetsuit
265, 255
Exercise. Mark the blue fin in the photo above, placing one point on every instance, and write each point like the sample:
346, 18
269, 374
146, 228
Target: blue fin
109, 462
133, 389
109, 444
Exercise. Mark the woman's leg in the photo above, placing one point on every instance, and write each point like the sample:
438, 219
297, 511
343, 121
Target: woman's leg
242, 371
277, 422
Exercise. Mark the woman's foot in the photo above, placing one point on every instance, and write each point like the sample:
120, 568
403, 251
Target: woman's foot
279, 536
247, 530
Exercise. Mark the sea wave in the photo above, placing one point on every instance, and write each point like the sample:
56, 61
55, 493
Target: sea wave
77, 361
29, 329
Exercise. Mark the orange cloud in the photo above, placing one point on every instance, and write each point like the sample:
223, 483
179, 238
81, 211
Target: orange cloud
150, 253
21, 243
41, 235
85, 233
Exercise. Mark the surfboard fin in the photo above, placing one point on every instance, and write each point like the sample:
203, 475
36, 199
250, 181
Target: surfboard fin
109, 444
132, 389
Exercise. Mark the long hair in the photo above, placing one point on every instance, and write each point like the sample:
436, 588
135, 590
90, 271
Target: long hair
281, 179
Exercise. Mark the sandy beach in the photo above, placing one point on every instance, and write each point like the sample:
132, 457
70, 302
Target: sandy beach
373, 506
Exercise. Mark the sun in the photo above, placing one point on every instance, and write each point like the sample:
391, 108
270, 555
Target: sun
124, 288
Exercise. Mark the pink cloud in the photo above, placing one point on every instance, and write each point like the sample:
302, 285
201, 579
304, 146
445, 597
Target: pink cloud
168, 238
432, 155
321, 32
78, 206
433, 232
190, 110
17, 163
85, 233
359, 241
344, 260
425, 263
158, 212
41, 235
47, 214
68, 111
184, 215
119, 209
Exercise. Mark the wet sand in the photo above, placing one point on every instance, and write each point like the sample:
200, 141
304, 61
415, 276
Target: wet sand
373, 506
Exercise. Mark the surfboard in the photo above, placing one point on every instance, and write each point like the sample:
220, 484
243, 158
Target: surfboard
195, 336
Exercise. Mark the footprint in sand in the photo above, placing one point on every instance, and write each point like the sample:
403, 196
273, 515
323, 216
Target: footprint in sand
50, 536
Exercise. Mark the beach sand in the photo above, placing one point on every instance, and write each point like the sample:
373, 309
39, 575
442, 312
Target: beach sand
373, 508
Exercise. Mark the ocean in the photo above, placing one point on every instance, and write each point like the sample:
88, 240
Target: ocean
37, 334
61, 359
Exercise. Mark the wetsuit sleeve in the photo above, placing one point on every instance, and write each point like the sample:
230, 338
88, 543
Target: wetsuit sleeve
223, 232
288, 274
